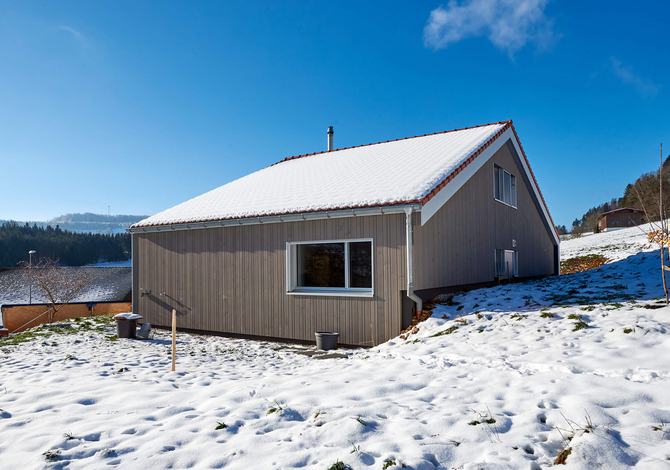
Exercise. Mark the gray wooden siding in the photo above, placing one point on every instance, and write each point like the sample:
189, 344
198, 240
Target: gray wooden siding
456, 246
233, 280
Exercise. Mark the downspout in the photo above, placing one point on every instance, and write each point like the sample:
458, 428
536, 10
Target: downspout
133, 294
410, 268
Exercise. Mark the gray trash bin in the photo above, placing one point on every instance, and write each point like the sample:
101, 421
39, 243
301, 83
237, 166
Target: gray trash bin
126, 324
326, 340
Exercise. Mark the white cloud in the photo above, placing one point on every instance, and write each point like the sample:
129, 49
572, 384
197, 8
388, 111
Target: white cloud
643, 86
76, 33
509, 24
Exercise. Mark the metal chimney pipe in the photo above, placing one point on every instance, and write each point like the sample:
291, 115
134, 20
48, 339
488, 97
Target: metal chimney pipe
330, 138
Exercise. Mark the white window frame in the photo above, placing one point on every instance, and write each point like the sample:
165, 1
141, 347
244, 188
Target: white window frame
292, 271
501, 186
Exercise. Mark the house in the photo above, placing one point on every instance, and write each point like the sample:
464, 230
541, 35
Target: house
621, 218
318, 242
24, 305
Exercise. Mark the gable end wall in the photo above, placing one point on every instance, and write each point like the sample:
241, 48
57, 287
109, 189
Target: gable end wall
456, 246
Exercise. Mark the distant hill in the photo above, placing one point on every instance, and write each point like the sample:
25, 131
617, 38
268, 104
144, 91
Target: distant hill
89, 222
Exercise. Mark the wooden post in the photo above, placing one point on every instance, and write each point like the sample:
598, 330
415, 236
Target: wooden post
174, 337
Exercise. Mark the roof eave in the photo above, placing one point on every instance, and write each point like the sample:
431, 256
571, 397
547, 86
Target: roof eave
358, 211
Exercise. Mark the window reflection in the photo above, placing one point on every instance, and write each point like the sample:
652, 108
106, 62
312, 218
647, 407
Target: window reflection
321, 265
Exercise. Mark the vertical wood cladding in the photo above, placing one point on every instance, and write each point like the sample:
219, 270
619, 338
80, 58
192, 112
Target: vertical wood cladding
456, 246
233, 280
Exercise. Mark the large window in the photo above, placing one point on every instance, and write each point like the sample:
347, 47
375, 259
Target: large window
340, 267
504, 185
507, 264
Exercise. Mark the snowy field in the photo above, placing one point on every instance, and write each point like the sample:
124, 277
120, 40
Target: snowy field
501, 378
113, 264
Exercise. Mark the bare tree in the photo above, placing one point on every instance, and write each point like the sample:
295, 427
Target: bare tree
659, 234
58, 284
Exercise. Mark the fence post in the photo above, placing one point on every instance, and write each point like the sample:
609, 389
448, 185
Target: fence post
174, 337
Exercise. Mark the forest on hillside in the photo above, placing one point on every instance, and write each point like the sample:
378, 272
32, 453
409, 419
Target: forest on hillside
642, 194
70, 248
88, 222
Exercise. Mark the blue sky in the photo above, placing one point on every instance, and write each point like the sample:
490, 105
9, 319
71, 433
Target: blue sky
143, 105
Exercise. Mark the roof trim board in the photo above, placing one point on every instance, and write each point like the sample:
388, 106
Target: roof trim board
271, 219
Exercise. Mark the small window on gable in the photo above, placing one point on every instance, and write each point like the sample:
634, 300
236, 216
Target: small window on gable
341, 267
504, 186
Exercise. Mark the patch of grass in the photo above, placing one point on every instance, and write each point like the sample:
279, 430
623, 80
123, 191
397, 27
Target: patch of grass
448, 331
51, 455
661, 428
480, 316
460, 320
113, 338
276, 409
563, 456
580, 325
518, 317
547, 315
582, 263
588, 308
388, 463
339, 465
360, 420
68, 436
489, 421
19, 338
574, 316
220, 425
628, 330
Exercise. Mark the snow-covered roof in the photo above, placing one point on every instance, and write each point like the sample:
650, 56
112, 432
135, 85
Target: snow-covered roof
396, 172
106, 285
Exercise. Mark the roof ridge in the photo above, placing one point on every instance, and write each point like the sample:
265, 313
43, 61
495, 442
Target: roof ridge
388, 141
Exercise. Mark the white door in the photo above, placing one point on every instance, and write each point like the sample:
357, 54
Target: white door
509, 264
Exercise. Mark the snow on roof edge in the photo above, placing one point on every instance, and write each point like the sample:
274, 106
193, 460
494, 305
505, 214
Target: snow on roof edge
429, 194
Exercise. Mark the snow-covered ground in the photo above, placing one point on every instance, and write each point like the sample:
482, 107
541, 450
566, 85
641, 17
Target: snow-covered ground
510, 354
109, 283
113, 264
615, 245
